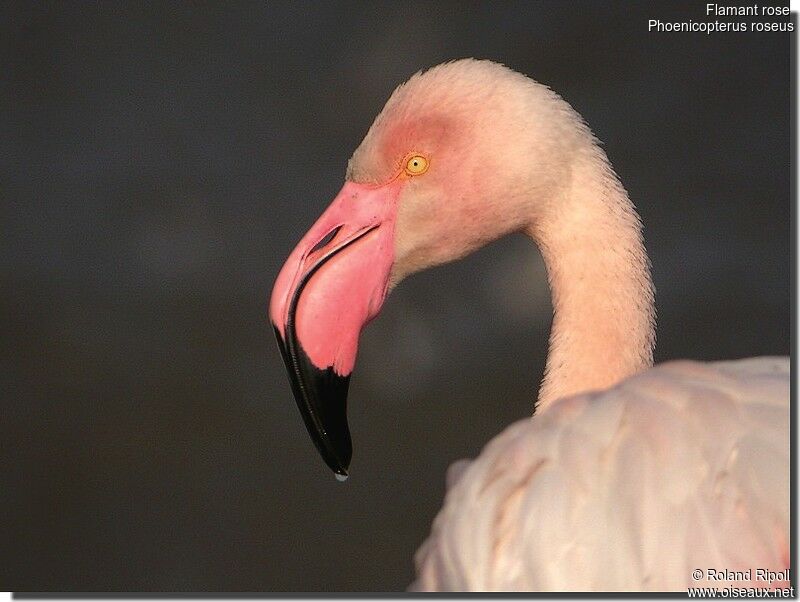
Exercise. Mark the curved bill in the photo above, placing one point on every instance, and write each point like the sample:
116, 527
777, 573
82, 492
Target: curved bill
332, 285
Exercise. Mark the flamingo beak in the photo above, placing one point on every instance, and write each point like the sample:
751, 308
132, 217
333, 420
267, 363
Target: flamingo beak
334, 282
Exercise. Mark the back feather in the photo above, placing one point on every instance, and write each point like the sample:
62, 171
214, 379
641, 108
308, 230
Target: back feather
682, 467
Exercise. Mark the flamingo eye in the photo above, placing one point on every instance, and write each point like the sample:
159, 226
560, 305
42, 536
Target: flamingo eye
416, 165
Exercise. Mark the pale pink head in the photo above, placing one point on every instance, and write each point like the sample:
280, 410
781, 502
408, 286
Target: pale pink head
460, 155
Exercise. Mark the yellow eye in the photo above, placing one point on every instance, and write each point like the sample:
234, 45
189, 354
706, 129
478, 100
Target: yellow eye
416, 165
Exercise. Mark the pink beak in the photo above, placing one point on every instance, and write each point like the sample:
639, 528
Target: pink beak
334, 282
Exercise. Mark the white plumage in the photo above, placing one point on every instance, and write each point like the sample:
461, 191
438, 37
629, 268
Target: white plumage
682, 467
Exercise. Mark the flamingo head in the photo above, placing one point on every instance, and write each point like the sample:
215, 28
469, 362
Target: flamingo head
460, 155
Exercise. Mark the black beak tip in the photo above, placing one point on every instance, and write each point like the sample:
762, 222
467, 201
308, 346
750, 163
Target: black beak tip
321, 396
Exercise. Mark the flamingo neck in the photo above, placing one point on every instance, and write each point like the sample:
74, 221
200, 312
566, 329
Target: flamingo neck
603, 298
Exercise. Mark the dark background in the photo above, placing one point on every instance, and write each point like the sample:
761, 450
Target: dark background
157, 165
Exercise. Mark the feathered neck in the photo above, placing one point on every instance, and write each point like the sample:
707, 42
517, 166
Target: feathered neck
603, 297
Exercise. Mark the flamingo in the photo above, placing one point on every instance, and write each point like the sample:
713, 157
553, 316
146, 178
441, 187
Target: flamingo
627, 476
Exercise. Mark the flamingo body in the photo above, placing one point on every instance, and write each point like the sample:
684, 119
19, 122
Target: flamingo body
682, 467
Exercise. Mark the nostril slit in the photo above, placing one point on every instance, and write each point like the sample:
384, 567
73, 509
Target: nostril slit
326, 239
